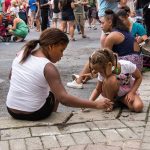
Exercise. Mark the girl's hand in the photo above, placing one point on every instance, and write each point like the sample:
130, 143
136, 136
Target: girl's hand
104, 103
130, 97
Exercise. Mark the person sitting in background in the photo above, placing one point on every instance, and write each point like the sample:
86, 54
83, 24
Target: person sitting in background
137, 29
14, 8
19, 29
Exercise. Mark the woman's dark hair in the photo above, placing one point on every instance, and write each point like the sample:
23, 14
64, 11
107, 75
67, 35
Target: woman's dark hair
123, 11
116, 21
48, 37
102, 57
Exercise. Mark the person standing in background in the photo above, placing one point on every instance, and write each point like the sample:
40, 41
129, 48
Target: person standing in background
56, 13
37, 16
66, 7
44, 5
32, 5
80, 14
7, 4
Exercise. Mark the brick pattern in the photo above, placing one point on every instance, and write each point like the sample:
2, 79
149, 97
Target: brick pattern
130, 131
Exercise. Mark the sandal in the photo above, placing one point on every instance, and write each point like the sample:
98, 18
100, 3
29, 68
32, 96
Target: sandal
84, 36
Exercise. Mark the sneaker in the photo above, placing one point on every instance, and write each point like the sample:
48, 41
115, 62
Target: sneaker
75, 76
84, 36
75, 85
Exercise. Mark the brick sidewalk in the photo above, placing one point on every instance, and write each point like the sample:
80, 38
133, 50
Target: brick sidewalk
93, 130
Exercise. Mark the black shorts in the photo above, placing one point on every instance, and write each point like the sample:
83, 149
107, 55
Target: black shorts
42, 113
68, 16
92, 13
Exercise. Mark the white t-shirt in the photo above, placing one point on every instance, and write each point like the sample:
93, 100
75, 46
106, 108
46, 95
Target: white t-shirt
28, 87
125, 77
15, 10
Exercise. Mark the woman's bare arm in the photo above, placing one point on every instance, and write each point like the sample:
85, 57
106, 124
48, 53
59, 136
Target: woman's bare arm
53, 78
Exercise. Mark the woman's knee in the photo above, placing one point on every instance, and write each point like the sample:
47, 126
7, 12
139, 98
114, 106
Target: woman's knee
138, 106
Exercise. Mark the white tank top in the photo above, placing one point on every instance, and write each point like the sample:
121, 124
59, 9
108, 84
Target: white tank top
28, 87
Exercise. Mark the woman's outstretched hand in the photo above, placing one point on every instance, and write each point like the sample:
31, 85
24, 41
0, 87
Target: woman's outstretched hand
104, 103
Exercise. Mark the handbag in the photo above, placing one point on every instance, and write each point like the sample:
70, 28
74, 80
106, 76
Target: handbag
145, 47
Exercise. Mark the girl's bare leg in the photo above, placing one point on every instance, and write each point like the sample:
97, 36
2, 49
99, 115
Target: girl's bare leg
110, 87
136, 105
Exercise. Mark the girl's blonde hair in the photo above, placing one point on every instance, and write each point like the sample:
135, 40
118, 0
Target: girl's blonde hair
103, 57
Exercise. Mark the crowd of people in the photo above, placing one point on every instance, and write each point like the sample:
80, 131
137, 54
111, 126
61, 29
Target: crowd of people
117, 64
69, 14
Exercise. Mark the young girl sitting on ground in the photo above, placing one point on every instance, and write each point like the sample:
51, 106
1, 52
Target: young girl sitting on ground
117, 80
35, 85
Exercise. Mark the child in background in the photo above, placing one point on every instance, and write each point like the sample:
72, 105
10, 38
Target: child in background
117, 80
14, 8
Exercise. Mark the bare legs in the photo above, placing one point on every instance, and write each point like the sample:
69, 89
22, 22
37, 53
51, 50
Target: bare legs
38, 24
110, 89
71, 28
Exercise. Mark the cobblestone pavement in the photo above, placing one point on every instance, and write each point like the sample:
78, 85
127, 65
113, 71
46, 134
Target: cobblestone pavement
67, 130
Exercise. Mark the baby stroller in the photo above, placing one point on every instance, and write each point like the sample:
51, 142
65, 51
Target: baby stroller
5, 21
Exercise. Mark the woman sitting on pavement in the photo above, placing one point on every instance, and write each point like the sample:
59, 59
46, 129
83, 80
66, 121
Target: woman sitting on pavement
34, 74
119, 40
117, 80
137, 29
19, 29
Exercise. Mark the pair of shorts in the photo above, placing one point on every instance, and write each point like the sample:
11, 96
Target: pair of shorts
42, 113
57, 15
79, 18
68, 16
92, 13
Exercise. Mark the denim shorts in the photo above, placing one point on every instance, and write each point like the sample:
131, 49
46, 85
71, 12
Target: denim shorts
68, 16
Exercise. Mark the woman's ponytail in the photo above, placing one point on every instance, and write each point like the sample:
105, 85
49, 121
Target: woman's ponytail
31, 45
